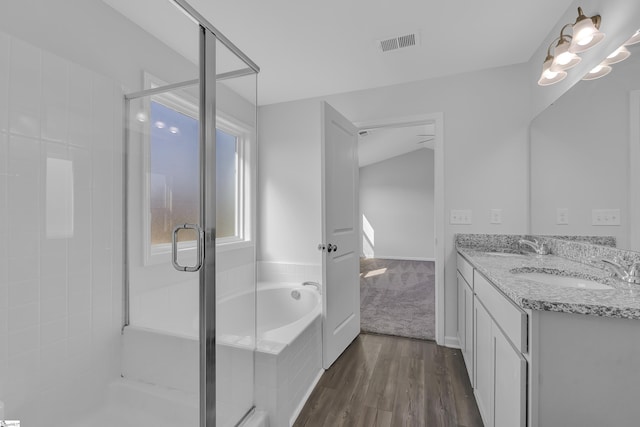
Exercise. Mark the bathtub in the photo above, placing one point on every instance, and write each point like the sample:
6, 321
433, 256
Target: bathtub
161, 347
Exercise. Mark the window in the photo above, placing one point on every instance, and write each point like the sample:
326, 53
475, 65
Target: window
173, 185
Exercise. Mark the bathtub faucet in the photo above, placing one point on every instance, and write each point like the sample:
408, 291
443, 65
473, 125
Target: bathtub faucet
315, 284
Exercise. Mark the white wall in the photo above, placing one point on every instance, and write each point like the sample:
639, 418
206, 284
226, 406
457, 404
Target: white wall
289, 205
486, 120
397, 199
580, 156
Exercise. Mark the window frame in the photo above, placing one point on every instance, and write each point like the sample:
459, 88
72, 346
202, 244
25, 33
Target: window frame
160, 253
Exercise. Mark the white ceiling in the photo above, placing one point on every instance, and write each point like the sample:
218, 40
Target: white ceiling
384, 143
315, 48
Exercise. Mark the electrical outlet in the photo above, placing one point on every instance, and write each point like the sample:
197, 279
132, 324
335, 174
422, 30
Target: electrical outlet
460, 216
605, 217
562, 216
496, 216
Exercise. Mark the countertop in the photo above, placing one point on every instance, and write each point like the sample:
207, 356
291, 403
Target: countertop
623, 301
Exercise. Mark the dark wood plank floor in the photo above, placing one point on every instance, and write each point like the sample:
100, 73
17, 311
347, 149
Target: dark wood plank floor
391, 381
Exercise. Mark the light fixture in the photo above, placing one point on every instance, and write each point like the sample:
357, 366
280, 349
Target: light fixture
550, 76
634, 39
618, 55
563, 58
586, 32
598, 71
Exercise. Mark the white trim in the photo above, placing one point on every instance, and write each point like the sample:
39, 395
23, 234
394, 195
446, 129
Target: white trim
439, 207
400, 258
451, 342
634, 170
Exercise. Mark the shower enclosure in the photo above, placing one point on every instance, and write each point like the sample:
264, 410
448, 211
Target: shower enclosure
127, 214
190, 172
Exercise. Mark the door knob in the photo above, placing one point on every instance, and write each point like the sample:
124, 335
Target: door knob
331, 248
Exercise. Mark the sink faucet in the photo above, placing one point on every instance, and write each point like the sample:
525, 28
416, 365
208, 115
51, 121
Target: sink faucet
632, 275
314, 284
538, 247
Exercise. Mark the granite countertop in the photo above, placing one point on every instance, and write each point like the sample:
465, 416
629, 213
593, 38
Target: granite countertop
623, 301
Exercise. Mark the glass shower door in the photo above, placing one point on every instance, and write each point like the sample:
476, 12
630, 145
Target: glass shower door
191, 238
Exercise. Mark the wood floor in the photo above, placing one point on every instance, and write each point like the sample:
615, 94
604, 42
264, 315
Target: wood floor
391, 381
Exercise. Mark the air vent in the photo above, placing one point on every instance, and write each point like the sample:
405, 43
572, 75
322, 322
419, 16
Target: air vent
399, 42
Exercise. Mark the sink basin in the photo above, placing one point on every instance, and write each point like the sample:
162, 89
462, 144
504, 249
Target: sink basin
564, 281
505, 254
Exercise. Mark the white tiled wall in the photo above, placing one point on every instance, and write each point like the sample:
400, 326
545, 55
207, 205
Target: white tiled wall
60, 298
284, 380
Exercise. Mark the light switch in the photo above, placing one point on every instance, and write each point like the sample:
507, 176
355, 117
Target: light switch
562, 216
460, 216
605, 217
496, 216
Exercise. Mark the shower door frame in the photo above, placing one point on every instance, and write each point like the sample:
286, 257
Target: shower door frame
207, 273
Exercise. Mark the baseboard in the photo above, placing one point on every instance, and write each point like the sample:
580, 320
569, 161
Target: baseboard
451, 342
401, 258
297, 411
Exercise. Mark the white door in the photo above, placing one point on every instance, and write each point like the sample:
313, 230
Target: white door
340, 228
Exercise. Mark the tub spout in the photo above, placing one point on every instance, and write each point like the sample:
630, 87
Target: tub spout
315, 284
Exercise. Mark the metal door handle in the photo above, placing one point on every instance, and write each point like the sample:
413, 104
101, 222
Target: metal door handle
199, 246
331, 247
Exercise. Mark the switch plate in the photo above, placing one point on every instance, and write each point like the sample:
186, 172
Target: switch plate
562, 216
460, 216
605, 217
496, 216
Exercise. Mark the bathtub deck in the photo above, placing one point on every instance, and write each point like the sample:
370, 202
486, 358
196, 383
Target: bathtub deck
391, 381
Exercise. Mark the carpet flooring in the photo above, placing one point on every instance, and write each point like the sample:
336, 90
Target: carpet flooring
397, 297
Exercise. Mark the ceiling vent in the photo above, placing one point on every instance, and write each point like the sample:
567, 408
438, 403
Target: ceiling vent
399, 42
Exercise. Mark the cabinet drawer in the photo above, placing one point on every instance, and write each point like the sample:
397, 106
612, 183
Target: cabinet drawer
511, 319
466, 270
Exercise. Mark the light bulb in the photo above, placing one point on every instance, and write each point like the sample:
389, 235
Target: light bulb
598, 71
619, 55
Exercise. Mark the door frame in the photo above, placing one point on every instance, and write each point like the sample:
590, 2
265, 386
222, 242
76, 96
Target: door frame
439, 207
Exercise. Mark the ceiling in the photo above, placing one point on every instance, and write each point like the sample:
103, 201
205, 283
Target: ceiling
315, 48
376, 145
307, 49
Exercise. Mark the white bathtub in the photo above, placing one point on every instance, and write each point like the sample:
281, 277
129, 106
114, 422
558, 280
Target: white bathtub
288, 347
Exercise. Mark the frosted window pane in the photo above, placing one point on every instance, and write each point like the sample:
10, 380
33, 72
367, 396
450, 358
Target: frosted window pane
174, 176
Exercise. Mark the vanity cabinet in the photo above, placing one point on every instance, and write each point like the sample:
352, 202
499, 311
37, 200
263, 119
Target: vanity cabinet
465, 314
501, 374
501, 369
492, 332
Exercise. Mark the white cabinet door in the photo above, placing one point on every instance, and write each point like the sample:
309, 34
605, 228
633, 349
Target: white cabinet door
461, 313
483, 357
468, 317
509, 383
